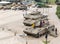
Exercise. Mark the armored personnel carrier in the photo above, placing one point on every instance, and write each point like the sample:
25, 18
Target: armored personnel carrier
38, 32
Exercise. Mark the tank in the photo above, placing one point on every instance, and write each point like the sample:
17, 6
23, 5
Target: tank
13, 4
29, 22
29, 16
13, 8
38, 32
22, 7
1, 7
7, 7
35, 13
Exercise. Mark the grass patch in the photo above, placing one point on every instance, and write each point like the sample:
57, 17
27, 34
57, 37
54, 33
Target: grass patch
58, 11
45, 42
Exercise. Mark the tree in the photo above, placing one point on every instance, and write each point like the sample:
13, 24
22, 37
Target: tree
38, 0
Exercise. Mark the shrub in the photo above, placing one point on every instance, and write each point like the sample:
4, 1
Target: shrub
58, 11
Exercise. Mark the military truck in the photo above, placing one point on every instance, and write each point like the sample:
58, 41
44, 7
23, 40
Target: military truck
38, 32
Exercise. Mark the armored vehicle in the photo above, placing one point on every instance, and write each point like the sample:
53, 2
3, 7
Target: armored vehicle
37, 32
19, 7
22, 7
1, 7
29, 16
13, 8
7, 7
29, 22
35, 13
13, 4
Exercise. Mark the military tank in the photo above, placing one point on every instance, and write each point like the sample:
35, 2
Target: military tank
19, 7
29, 22
34, 32
34, 17
35, 12
13, 8
1, 7
22, 7
38, 32
7, 7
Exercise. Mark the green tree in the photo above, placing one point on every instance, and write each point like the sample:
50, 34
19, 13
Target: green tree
51, 1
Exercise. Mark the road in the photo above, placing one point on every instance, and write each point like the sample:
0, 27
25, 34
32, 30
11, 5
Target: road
14, 20
56, 22
53, 20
